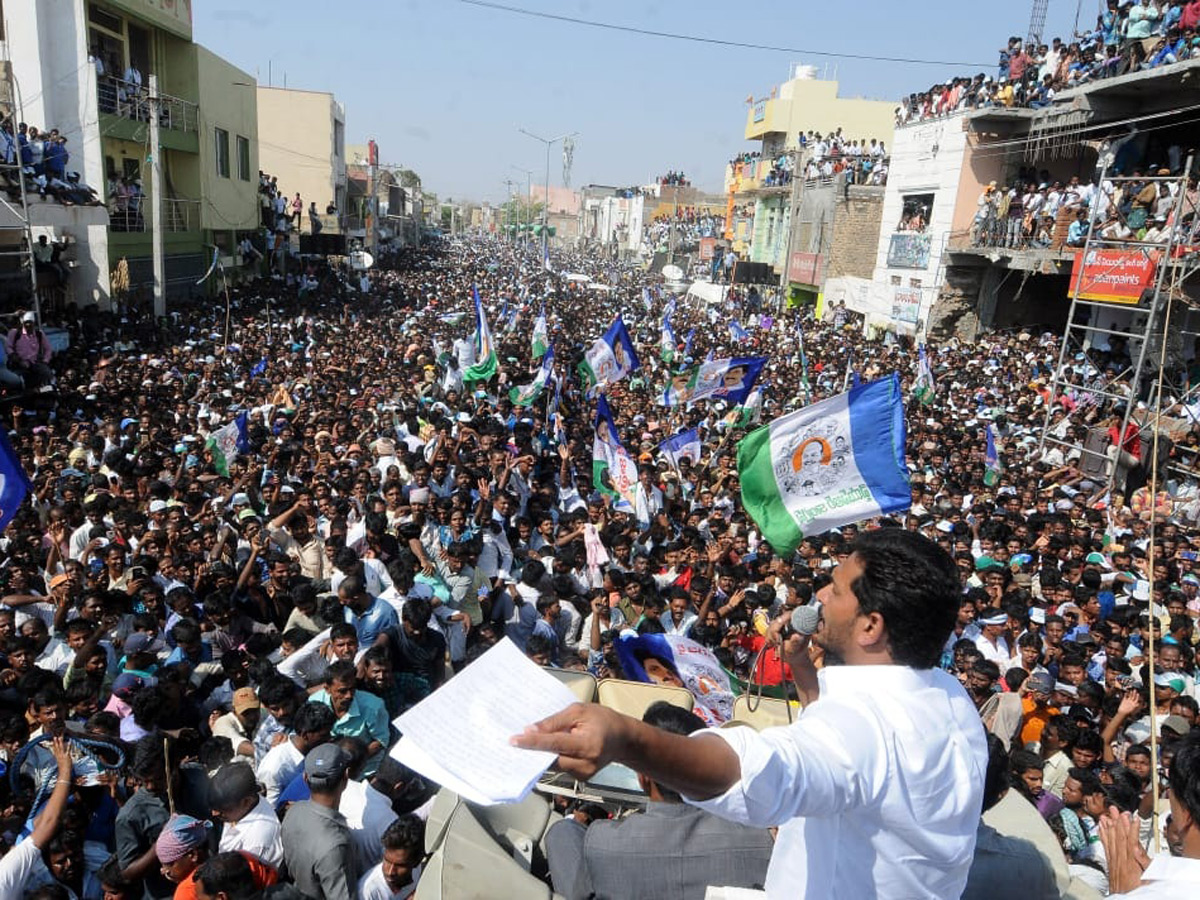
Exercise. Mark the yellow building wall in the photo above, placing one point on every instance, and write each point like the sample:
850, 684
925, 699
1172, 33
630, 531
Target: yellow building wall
228, 100
808, 104
295, 131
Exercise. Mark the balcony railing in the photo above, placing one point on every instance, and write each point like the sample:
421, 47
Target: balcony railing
990, 231
132, 101
179, 215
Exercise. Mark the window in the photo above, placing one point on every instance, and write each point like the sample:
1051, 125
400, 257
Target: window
916, 213
914, 282
222, 142
243, 151
896, 281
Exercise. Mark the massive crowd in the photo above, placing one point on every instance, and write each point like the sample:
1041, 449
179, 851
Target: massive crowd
1128, 37
228, 641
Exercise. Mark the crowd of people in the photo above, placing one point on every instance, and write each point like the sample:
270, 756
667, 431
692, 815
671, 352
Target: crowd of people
1129, 36
39, 158
674, 179
1037, 211
685, 226
823, 158
226, 636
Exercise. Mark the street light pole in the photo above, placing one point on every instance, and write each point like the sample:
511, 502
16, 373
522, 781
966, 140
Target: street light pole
546, 198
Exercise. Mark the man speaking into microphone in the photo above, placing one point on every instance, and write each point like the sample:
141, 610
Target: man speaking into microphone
876, 788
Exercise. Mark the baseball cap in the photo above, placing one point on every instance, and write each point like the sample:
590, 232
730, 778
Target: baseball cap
57, 580
245, 698
138, 642
127, 684
1177, 724
1170, 680
240, 499
327, 762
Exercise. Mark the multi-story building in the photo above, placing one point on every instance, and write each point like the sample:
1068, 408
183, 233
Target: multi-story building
760, 190
86, 68
978, 268
302, 143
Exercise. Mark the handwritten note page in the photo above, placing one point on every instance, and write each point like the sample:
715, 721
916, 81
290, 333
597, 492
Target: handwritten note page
459, 735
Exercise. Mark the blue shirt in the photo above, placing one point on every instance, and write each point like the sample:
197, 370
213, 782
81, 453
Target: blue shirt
366, 719
177, 656
379, 617
546, 630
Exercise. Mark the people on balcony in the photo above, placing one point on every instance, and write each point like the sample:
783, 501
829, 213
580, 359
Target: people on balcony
1128, 37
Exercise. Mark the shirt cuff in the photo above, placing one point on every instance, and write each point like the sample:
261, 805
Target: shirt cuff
753, 755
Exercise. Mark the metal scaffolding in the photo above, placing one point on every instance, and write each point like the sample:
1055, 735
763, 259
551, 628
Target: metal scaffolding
14, 180
1148, 328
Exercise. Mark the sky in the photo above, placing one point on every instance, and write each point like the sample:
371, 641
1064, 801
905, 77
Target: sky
444, 86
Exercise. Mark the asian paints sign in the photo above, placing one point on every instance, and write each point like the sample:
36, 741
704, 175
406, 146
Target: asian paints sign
1114, 276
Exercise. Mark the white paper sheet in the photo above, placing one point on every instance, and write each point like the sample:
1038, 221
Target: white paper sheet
459, 735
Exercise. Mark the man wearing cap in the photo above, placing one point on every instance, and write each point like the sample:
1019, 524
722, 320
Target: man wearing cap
991, 641
28, 352
238, 727
317, 847
184, 844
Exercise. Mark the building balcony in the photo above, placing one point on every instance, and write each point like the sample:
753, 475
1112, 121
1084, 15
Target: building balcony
125, 114
180, 216
1006, 242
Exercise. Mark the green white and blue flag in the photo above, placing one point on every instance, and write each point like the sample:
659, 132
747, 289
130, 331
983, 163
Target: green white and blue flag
827, 465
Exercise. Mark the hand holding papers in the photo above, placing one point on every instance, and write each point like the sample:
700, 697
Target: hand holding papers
460, 735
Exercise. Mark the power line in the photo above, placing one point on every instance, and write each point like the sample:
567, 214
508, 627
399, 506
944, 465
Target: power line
699, 39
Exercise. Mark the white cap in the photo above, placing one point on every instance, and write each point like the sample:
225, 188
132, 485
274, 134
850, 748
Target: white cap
29, 317
157, 505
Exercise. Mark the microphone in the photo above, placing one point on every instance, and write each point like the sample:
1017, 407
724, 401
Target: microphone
804, 621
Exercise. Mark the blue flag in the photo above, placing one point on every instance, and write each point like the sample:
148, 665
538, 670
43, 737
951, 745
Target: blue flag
14, 483
259, 368
737, 332
687, 345
243, 439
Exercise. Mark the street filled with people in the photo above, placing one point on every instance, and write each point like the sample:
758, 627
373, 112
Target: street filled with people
246, 552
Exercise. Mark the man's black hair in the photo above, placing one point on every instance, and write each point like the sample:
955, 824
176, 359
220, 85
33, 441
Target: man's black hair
913, 584
405, 833
1184, 776
231, 784
228, 874
995, 779
312, 718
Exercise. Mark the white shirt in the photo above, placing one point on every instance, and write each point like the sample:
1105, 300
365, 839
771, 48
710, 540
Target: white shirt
372, 886
1166, 878
257, 833
876, 787
368, 814
282, 763
16, 867
997, 653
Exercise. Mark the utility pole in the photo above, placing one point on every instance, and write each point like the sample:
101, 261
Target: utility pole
671, 234
549, 142
156, 221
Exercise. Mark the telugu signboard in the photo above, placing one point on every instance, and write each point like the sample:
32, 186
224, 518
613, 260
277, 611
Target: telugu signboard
906, 305
1113, 276
708, 248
